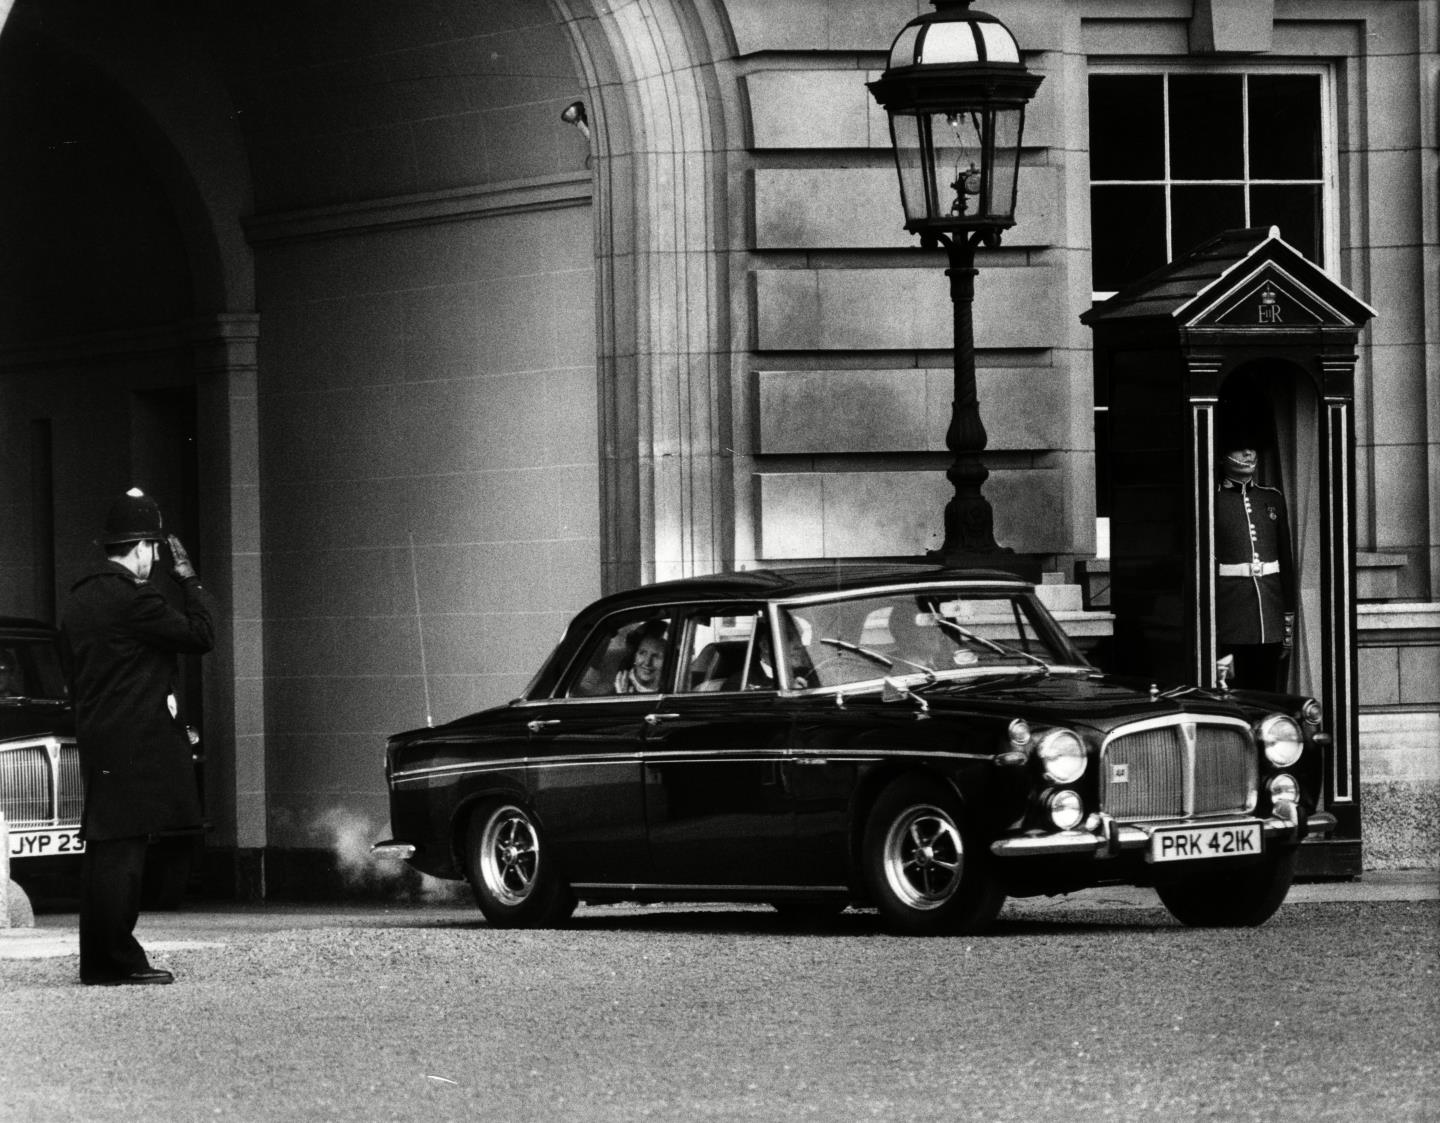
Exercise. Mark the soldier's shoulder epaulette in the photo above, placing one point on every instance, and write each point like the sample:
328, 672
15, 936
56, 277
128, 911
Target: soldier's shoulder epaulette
1265, 487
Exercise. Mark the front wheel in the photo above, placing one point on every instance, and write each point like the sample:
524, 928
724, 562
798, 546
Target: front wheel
511, 870
1241, 900
926, 872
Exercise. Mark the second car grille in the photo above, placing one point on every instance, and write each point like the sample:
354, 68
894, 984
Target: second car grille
1178, 768
40, 784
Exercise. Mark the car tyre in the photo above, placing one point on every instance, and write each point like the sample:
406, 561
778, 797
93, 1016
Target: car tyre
925, 869
1237, 900
511, 871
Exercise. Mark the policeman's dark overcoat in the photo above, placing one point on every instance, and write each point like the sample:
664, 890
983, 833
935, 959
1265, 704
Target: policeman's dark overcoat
1252, 528
121, 640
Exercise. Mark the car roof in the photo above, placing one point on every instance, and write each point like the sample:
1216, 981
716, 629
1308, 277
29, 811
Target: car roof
750, 584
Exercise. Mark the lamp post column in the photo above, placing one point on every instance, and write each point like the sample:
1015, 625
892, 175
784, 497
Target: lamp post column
969, 520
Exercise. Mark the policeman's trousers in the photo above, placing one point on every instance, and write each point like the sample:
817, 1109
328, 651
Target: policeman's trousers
111, 873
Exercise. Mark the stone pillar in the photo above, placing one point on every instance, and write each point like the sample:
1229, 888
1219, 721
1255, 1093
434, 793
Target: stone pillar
224, 358
663, 318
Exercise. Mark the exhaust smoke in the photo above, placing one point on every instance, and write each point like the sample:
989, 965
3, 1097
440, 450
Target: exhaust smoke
347, 835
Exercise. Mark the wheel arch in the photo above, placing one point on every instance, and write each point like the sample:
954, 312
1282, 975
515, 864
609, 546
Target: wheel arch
469, 804
869, 790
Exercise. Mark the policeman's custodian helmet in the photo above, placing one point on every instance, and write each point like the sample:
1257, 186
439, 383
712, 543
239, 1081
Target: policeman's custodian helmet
134, 517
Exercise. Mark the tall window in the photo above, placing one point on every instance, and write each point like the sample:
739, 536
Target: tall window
1177, 157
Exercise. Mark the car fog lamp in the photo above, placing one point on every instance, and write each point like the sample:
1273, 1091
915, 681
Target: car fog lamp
1066, 810
1281, 739
1020, 732
1312, 712
1284, 789
1063, 755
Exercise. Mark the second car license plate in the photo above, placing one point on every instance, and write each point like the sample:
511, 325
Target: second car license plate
1181, 844
43, 843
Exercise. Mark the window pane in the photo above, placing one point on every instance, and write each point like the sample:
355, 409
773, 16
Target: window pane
1127, 226
1127, 129
1206, 138
1296, 210
1199, 213
717, 652
1285, 126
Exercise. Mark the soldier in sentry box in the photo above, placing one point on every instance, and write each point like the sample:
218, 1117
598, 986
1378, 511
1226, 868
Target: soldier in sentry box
1255, 572
120, 641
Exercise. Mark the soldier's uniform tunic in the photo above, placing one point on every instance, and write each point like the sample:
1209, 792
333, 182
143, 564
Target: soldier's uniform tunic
1255, 579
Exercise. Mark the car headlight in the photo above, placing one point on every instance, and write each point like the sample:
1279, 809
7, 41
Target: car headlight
1019, 732
1066, 809
1284, 789
1312, 712
1281, 739
1063, 755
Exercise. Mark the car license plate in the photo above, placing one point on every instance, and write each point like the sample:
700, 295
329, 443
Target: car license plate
1183, 844
44, 843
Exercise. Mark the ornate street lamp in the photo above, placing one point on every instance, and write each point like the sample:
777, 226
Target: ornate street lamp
956, 91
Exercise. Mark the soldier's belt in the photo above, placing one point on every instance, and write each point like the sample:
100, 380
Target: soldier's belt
1248, 569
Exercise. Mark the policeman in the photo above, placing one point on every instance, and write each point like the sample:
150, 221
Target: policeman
1254, 574
120, 643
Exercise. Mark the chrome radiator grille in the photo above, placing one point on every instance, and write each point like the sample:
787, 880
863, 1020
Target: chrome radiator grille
40, 783
1173, 768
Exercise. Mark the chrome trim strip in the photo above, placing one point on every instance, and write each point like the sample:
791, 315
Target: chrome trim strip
1012, 584
689, 886
718, 756
1063, 842
1146, 724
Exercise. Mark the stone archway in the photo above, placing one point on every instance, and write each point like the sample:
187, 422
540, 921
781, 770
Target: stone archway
663, 318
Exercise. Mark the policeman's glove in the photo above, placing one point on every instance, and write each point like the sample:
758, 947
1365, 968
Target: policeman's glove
181, 570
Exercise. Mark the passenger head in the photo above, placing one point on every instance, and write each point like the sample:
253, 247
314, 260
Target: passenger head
646, 645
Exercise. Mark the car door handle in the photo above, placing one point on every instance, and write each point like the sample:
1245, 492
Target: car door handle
652, 720
812, 760
539, 726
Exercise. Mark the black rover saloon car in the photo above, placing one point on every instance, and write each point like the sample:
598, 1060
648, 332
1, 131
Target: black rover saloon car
921, 740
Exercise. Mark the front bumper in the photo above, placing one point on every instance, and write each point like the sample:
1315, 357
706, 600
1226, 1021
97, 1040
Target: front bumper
392, 851
1110, 838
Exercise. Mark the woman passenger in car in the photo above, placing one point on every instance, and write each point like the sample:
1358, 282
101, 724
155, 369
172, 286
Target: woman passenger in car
641, 672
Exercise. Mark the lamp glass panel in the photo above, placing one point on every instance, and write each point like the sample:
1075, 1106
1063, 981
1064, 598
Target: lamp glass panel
960, 151
1007, 126
906, 135
902, 51
1000, 45
946, 43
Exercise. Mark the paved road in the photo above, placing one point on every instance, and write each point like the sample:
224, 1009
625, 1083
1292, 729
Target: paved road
1098, 1007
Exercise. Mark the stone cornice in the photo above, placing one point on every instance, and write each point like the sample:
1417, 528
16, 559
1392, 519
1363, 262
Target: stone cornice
1408, 622
569, 189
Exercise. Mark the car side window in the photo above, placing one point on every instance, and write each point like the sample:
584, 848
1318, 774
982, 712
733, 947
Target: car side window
716, 650
627, 655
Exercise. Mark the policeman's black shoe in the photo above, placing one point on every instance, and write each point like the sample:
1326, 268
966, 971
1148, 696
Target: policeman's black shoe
148, 976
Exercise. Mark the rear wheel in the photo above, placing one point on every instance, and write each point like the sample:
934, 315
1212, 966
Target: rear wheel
926, 871
1238, 900
511, 871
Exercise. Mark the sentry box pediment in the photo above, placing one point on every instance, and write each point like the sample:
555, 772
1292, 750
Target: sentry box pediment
1249, 284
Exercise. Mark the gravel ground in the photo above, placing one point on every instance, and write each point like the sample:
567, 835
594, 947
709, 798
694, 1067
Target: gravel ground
1327, 1012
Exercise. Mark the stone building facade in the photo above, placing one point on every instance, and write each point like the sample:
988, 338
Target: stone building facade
420, 368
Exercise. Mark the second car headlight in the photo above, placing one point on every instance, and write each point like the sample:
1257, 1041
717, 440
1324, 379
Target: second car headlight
1281, 740
1063, 755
